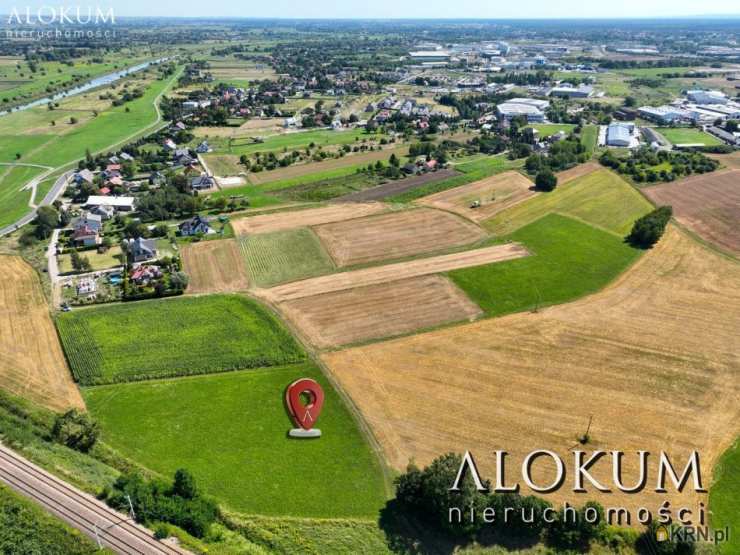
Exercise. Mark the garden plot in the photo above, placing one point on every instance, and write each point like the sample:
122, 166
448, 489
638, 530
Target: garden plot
482, 199
396, 235
376, 311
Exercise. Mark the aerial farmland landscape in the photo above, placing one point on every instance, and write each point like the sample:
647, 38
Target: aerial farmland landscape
394, 278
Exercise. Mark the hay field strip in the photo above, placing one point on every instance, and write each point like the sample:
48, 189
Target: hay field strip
377, 311
396, 235
215, 267
265, 223
32, 363
392, 272
495, 193
653, 358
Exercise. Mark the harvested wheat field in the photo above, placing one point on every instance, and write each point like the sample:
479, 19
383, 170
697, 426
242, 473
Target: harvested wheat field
395, 235
709, 205
214, 267
32, 363
493, 193
653, 358
376, 311
392, 272
577, 171
279, 221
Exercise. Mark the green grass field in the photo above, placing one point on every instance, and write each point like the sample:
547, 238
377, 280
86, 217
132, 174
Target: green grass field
27, 528
173, 337
601, 198
230, 430
547, 129
589, 137
569, 259
98, 261
282, 256
688, 135
14, 201
724, 497
289, 141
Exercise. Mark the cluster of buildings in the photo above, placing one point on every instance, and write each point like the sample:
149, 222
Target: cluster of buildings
531, 109
698, 107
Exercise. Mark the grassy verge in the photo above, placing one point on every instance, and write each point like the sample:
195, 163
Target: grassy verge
601, 198
230, 431
145, 340
569, 259
282, 256
724, 497
14, 201
26, 528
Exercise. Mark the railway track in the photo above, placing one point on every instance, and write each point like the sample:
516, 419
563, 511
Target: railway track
95, 519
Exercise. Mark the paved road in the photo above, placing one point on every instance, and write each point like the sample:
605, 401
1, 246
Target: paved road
78, 509
50, 197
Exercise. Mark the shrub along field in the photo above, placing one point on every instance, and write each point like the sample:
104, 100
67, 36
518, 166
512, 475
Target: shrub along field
282, 256
230, 431
569, 259
724, 497
144, 340
601, 198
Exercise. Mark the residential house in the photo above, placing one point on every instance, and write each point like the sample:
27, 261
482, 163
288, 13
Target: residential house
203, 147
120, 204
202, 182
86, 286
194, 226
85, 236
93, 221
105, 211
84, 176
141, 249
169, 144
143, 275
126, 157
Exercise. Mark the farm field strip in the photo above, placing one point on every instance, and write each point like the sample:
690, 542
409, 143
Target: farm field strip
215, 267
400, 187
600, 198
382, 310
281, 256
279, 221
708, 205
659, 341
495, 193
31, 359
395, 235
222, 333
392, 272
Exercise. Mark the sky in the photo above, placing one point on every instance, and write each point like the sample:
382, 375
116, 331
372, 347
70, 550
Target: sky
389, 9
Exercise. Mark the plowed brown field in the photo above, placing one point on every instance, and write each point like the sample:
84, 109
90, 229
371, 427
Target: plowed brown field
494, 194
214, 267
392, 272
278, 221
395, 235
32, 364
653, 358
376, 311
708, 204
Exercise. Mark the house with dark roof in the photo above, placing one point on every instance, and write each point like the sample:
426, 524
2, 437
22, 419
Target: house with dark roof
202, 182
141, 249
194, 226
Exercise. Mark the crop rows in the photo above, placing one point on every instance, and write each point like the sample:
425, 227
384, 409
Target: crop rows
82, 352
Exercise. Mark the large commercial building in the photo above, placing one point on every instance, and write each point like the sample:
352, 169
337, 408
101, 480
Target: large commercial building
563, 91
664, 114
510, 110
430, 56
707, 97
620, 134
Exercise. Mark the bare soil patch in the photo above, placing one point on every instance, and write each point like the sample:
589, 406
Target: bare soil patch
395, 235
32, 364
493, 194
653, 358
265, 223
401, 186
708, 204
393, 272
377, 311
215, 267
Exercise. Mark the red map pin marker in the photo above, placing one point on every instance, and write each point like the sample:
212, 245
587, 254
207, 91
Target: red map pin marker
304, 415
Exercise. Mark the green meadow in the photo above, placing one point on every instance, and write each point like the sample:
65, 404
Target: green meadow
601, 198
173, 337
547, 129
568, 259
688, 135
289, 141
14, 201
230, 431
724, 498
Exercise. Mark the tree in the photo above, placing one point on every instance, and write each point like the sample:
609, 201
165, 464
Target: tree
647, 230
393, 160
47, 218
184, 485
546, 180
179, 280
76, 430
630, 101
